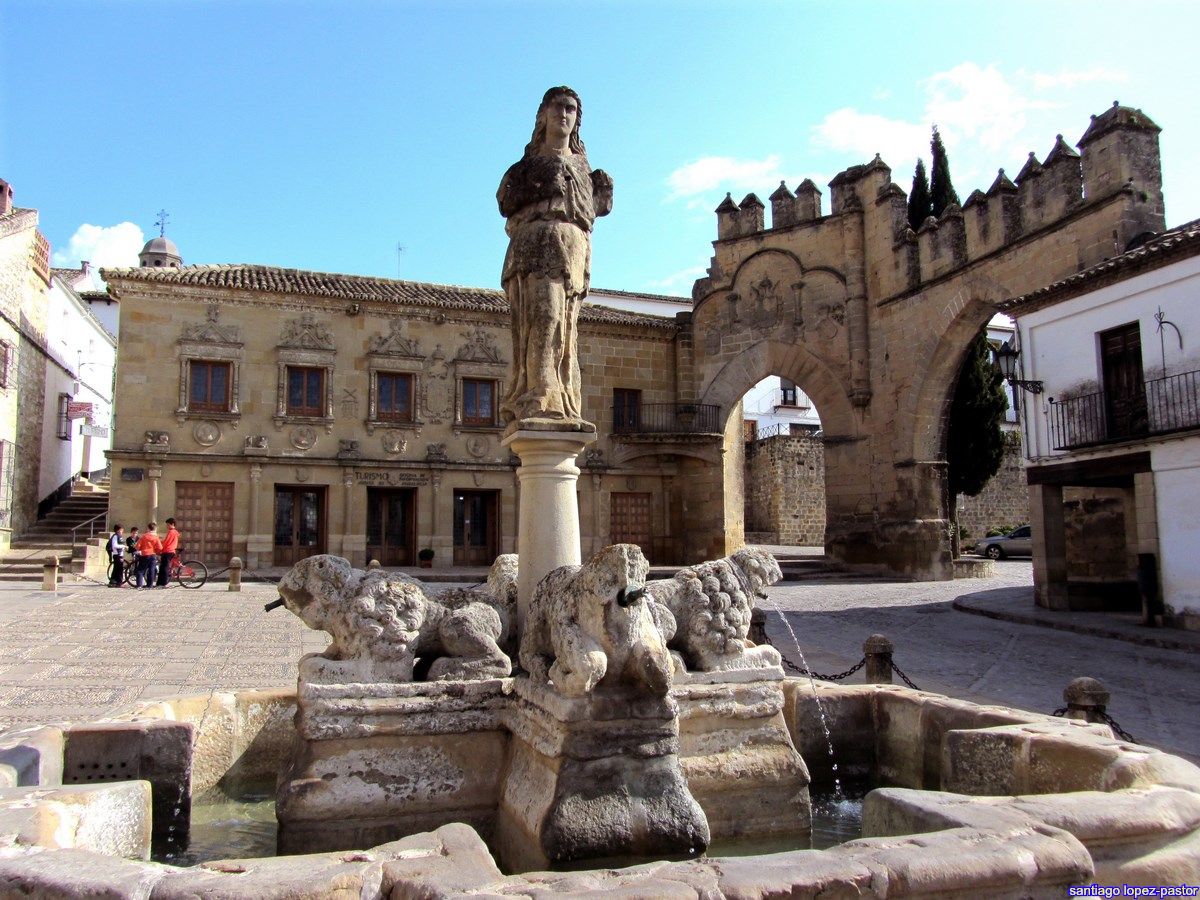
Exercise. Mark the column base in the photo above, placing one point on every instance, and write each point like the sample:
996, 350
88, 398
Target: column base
596, 778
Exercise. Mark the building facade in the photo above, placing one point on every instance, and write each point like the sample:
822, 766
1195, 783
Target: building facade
278, 413
1114, 442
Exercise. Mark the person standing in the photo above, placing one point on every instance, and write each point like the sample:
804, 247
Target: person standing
116, 556
149, 545
170, 549
131, 555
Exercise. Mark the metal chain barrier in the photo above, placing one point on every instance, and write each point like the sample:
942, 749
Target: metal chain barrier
800, 670
1120, 732
904, 678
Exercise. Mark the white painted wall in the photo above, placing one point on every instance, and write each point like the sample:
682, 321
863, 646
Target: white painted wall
1059, 346
81, 353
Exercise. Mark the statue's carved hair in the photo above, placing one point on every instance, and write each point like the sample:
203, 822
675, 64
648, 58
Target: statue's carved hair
575, 142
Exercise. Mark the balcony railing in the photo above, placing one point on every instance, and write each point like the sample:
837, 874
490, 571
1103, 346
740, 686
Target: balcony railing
1171, 403
667, 418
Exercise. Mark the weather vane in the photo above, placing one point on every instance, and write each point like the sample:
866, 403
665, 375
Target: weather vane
162, 223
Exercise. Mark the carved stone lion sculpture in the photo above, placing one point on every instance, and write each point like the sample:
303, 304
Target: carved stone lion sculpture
381, 623
591, 626
499, 592
712, 604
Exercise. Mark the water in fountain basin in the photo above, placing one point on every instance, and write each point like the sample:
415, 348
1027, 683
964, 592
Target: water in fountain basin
837, 781
234, 829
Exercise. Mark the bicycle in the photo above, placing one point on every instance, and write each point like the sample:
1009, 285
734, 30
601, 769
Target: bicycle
189, 573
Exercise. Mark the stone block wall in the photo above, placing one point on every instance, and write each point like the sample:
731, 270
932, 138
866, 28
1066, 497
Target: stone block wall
1096, 527
1003, 502
785, 489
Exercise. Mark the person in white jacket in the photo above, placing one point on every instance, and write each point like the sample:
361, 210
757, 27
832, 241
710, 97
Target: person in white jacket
116, 555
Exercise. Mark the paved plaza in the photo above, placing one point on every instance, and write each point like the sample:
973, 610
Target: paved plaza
91, 651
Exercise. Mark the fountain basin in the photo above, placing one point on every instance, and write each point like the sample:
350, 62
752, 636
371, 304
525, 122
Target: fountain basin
973, 800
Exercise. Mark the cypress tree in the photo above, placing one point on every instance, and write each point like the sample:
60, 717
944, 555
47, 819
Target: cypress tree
975, 442
920, 206
941, 189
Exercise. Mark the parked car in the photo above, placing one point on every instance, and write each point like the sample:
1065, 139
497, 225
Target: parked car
1018, 542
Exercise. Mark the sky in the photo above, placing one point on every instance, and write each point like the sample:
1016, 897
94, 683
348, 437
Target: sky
328, 135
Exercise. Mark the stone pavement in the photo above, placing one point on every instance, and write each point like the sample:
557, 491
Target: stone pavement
91, 651
1155, 691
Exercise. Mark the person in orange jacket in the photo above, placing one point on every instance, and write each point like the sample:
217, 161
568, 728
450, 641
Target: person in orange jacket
170, 549
149, 545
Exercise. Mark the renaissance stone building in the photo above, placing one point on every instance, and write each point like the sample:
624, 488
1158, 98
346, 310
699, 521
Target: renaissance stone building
300, 411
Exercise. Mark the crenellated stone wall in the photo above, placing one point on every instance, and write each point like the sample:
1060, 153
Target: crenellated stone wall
872, 319
785, 489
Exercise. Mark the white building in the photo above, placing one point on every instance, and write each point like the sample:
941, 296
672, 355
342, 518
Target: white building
1113, 437
81, 357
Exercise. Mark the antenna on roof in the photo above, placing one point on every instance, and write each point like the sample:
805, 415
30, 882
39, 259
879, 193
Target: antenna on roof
399, 254
163, 215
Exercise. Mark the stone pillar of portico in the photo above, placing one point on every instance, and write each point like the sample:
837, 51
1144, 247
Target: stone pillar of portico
1049, 546
548, 535
155, 473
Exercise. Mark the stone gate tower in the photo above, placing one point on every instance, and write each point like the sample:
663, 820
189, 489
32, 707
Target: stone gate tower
872, 321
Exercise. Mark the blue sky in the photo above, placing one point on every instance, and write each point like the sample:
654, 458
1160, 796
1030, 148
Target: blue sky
321, 135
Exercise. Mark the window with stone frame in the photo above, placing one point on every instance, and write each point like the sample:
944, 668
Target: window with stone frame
210, 355
5, 358
64, 420
394, 396
209, 384
478, 401
306, 391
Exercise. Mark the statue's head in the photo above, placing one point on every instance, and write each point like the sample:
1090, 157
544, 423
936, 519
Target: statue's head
551, 101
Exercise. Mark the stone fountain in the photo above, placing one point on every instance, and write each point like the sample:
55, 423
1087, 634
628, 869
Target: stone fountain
568, 713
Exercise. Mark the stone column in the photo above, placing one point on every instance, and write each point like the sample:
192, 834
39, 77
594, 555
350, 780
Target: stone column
1049, 546
347, 507
435, 483
155, 473
548, 535
597, 523
252, 559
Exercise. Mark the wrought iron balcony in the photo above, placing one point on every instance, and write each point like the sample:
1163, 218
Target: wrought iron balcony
667, 418
1169, 404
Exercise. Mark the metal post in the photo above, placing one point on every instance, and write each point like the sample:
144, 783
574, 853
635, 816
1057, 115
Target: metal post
235, 574
1087, 700
878, 651
50, 574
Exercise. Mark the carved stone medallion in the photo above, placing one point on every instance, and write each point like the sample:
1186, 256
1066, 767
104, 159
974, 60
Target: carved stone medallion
394, 442
304, 437
302, 474
478, 446
206, 433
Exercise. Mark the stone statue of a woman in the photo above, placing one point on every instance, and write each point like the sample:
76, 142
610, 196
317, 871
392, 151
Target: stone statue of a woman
550, 199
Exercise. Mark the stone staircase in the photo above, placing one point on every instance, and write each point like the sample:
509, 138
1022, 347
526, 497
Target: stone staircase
52, 535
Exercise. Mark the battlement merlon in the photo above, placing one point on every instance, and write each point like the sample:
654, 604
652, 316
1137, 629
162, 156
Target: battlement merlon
1118, 159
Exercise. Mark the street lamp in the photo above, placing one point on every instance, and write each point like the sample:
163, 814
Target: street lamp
1006, 358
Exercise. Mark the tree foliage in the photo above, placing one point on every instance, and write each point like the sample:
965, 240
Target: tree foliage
941, 188
920, 204
975, 442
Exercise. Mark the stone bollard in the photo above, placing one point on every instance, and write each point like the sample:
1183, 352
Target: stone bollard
50, 574
1087, 700
374, 564
878, 651
235, 574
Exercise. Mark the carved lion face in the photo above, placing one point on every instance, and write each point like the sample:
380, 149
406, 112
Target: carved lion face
311, 583
759, 567
617, 574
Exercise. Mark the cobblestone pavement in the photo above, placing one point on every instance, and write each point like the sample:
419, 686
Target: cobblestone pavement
1155, 692
91, 651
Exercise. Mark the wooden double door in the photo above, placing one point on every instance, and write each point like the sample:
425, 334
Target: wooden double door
476, 527
392, 526
299, 523
204, 516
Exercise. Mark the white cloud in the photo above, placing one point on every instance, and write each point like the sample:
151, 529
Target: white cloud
677, 280
861, 135
707, 174
102, 245
1069, 78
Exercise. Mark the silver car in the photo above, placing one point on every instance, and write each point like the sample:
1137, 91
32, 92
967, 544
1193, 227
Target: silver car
1018, 542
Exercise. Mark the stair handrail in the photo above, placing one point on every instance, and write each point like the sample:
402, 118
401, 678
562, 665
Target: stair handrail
91, 527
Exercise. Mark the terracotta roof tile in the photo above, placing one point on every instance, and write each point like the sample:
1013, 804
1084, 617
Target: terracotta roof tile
1162, 249
360, 287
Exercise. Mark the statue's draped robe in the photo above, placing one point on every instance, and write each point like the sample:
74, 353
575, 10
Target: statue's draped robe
550, 203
